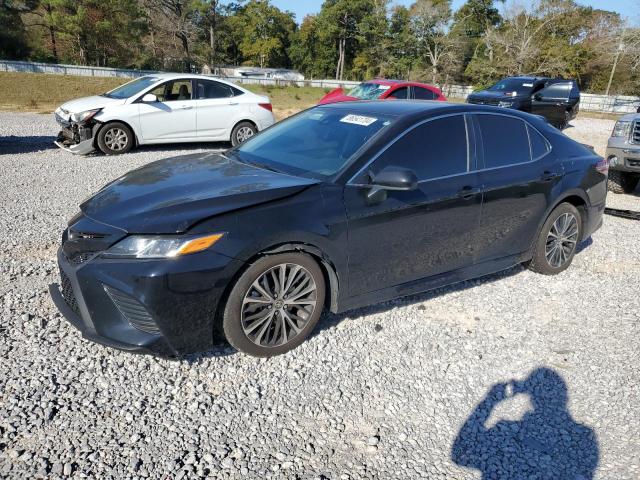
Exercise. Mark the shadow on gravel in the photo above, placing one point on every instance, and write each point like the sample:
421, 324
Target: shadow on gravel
546, 443
178, 147
13, 144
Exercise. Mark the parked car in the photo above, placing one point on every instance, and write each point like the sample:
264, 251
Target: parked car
556, 99
380, 89
338, 207
623, 152
162, 108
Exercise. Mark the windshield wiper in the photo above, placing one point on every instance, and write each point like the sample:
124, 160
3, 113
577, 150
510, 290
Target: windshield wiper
253, 163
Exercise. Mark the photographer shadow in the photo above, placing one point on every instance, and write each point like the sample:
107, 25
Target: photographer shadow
546, 443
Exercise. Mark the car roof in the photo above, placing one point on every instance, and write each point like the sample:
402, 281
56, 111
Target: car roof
393, 82
412, 107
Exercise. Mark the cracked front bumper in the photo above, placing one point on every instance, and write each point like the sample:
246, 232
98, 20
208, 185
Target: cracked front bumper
76, 138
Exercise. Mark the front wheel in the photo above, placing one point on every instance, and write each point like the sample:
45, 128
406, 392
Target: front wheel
622, 182
242, 132
274, 305
558, 240
115, 138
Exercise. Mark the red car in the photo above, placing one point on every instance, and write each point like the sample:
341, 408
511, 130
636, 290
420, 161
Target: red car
381, 89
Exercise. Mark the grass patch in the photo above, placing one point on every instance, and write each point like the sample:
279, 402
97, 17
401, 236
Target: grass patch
38, 92
42, 93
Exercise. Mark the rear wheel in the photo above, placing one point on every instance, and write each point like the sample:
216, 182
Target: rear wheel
622, 182
243, 132
274, 305
557, 241
115, 138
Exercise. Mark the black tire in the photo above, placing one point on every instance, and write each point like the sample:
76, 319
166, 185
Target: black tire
115, 138
234, 322
622, 182
565, 123
240, 132
540, 262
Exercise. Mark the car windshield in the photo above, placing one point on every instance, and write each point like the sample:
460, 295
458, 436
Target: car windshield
132, 88
316, 143
518, 85
368, 91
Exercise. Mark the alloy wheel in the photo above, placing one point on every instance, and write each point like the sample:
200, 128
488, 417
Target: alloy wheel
244, 134
562, 240
278, 305
116, 139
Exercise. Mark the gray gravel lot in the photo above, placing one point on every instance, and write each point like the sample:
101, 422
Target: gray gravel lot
407, 389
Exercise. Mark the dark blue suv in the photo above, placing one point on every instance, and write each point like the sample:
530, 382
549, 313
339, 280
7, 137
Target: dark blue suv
556, 99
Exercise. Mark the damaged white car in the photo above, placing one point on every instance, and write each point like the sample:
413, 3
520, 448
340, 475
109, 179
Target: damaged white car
162, 108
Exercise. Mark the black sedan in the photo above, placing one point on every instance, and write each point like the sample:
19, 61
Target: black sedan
338, 207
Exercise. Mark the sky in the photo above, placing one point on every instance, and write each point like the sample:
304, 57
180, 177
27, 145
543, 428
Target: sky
628, 8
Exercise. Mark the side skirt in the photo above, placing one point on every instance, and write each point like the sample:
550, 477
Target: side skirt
431, 283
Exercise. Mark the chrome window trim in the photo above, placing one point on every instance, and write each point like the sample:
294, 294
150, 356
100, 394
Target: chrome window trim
477, 170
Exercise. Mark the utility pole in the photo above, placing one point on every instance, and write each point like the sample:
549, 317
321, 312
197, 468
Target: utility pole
615, 62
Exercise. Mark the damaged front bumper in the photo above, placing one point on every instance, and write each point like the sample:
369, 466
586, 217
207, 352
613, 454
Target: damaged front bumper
77, 138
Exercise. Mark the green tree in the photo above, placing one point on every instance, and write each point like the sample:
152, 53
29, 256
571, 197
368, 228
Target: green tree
265, 33
13, 36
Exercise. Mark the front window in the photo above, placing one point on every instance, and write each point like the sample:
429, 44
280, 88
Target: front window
132, 88
368, 91
316, 143
518, 85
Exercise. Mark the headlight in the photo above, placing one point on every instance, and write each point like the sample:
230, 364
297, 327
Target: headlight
147, 246
85, 116
505, 104
621, 129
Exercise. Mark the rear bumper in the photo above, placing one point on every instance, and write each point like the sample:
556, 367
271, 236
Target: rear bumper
180, 298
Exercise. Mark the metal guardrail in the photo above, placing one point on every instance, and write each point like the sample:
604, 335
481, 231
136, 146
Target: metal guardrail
618, 104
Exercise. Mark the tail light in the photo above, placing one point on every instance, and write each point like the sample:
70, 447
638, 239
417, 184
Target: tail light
266, 106
603, 166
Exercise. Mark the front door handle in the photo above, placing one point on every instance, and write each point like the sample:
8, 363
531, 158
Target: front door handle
468, 192
549, 176
187, 107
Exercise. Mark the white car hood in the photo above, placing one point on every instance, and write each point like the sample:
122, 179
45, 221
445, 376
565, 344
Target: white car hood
87, 103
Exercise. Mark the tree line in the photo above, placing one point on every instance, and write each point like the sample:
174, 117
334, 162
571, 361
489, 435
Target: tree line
482, 41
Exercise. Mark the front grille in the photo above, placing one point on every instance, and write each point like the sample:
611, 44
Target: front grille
635, 133
132, 310
67, 293
487, 101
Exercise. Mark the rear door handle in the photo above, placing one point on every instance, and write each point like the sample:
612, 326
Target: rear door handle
468, 192
549, 176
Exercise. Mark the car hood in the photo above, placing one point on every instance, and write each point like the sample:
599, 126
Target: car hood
170, 196
87, 103
336, 96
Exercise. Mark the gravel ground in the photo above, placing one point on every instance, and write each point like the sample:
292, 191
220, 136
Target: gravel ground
408, 389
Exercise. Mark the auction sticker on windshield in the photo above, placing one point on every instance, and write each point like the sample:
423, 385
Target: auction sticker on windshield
358, 120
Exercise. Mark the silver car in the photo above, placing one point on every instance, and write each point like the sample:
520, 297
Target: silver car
623, 152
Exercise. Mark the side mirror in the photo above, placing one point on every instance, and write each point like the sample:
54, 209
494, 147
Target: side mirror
537, 97
390, 178
395, 178
149, 98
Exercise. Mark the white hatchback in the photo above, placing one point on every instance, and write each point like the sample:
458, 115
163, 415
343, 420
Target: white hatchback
162, 108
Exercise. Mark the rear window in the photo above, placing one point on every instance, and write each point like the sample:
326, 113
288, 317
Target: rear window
505, 140
539, 146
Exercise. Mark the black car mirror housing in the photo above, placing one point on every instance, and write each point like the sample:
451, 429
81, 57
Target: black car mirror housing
395, 178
